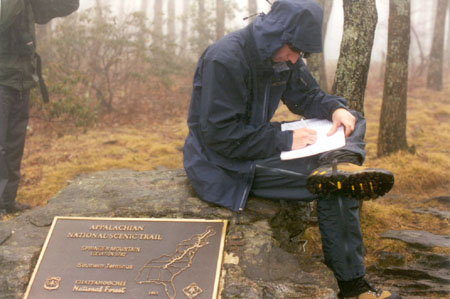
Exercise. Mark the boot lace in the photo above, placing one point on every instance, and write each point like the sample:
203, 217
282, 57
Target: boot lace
373, 290
378, 293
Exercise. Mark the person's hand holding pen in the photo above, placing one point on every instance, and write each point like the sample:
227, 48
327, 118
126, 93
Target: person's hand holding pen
303, 137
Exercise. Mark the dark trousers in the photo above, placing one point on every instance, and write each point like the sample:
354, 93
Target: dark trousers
338, 216
14, 114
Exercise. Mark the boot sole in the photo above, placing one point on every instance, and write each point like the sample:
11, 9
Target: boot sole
363, 185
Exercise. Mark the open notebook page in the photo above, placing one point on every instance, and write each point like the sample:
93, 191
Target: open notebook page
324, 143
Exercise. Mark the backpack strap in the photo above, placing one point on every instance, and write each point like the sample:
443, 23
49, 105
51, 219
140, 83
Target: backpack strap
42, 86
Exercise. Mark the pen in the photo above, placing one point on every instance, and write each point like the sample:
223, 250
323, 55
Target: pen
304, 123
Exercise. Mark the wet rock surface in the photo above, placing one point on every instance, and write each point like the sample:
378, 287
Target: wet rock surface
5, 233
434, 212
416, 238
427, 275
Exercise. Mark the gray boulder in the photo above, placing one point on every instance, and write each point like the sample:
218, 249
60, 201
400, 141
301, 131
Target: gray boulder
421, 239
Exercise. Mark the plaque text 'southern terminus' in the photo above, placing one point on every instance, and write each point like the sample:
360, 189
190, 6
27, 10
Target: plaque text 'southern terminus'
129, 258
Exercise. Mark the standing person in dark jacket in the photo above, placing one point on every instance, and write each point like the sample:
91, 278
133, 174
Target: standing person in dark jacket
233, 150
19, 72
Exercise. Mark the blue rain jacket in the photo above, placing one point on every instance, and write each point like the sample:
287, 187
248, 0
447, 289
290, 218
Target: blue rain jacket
236, 91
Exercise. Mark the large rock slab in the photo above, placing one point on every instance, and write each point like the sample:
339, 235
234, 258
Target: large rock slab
262, 258
435, 212
426, 275
418, 238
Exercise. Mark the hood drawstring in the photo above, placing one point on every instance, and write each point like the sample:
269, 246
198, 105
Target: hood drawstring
252, 16
256, 14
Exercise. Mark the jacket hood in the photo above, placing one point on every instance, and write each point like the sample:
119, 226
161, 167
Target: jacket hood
297, 22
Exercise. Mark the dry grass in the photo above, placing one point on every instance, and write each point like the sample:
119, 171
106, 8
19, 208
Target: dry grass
428, 125
50, 163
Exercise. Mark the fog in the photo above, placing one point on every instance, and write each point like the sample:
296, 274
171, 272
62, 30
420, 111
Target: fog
422, 20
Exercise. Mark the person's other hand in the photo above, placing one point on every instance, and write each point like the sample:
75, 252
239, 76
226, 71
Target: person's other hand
303, 137
341, 117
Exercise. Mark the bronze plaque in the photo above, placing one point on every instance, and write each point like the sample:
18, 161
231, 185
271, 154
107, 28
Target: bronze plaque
129, 258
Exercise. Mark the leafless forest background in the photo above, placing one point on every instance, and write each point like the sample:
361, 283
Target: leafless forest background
135, 60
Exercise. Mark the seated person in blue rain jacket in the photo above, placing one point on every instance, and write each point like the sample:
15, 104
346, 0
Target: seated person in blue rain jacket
233, 150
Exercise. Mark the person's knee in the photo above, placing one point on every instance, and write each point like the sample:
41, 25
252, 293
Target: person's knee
356, 114
360, 119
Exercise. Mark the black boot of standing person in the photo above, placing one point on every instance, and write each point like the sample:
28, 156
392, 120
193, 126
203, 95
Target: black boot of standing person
361, 289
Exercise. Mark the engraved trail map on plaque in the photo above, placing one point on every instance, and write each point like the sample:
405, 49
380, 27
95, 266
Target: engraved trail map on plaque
129, 258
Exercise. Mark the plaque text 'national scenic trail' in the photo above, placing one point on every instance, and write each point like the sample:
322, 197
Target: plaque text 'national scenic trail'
129, 258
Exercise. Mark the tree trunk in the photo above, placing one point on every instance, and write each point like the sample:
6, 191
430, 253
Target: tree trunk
171, 20
201, 27
185, 25
220, 19
417, 71
392, 133
316, 63
435, 68
121, 9
252, 9
360, 19
98, 9
144, 7
201, 14
157, 18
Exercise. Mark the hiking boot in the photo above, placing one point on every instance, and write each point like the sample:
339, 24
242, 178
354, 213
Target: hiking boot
362, 289
350, 180
377, 295
17, 207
